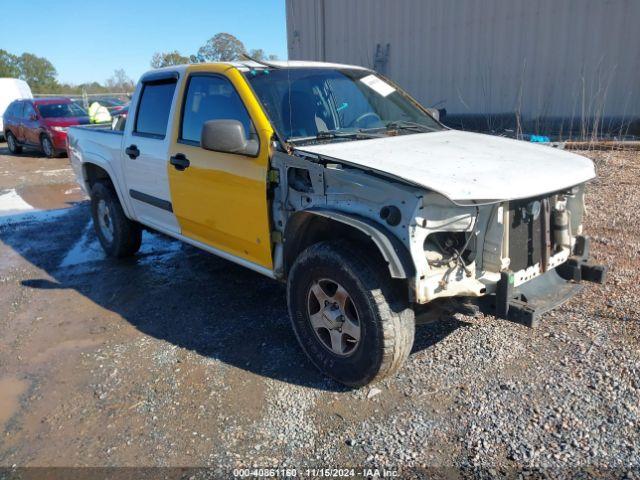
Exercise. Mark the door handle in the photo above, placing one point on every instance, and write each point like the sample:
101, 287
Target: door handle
180, 161
132, 151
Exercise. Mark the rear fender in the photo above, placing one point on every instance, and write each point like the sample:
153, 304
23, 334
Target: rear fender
105, 166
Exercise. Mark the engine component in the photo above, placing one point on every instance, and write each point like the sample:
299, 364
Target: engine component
560, 222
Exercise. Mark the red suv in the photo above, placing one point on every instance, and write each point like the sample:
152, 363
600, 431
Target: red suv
41, 123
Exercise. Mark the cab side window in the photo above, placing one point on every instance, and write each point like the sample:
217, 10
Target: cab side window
28, 111
212, 97
154, 107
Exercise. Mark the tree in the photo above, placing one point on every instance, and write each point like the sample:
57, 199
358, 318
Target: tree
222, 47
38, 72
166, 59
9, 65
259, 54
120, 82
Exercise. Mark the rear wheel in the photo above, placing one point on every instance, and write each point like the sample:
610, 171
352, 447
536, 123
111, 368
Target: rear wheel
12, 143
47, 146
350, 319
119, 236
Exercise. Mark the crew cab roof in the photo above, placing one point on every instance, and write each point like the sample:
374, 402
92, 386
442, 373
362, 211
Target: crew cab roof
294, 64
246, 65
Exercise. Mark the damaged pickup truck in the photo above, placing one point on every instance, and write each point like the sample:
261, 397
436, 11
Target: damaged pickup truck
332, 179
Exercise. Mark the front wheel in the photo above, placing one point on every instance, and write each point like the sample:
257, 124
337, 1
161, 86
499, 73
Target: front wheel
349, 318
47, 146
119, 236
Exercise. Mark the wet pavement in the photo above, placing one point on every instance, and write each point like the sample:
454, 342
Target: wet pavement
176, 357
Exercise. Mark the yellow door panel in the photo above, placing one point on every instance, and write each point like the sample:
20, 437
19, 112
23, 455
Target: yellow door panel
221, 198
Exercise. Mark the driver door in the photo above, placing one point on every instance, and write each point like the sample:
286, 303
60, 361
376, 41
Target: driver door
220, 199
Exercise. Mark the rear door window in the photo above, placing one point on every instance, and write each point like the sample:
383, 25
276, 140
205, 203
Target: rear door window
15, 110
154, 107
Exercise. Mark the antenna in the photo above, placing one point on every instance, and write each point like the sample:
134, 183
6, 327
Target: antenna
260, 62
293, 26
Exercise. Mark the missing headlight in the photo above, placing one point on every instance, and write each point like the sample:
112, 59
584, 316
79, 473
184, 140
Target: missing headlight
441, 248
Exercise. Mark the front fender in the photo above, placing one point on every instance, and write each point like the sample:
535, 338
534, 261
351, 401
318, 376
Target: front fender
396, 255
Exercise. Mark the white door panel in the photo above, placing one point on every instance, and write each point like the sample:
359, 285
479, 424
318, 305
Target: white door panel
145, 154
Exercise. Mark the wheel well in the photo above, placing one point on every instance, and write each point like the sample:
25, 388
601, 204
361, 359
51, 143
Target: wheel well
306, 229
93, 173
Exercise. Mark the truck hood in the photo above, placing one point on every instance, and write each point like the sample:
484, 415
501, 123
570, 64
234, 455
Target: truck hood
465, 166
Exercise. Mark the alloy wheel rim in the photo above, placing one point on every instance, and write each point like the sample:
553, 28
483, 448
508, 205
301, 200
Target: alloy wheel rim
104, 221
334, 317
11, 142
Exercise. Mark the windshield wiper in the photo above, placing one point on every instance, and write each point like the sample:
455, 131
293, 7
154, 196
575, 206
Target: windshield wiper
331, 134
408, 125
328, 134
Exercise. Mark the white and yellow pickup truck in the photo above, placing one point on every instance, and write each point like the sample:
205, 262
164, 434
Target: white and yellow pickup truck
332, 179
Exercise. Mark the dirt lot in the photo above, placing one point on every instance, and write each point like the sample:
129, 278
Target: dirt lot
177, 357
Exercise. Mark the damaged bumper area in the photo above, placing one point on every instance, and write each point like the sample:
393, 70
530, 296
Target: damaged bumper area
525, 303
518, 259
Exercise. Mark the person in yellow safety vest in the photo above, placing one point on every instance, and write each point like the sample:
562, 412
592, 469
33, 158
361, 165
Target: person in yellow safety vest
99, 113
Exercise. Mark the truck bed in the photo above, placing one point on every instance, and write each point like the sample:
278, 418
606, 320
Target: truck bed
97, 142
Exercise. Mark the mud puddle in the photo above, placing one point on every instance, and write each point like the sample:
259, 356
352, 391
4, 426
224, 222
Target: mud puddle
52, 196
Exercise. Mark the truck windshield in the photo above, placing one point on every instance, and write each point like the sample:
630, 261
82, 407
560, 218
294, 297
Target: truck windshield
308, 104
61, 110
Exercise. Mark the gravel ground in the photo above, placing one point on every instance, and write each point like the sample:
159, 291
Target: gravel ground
179, 358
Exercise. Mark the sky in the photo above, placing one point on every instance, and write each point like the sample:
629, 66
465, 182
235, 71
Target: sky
87, 40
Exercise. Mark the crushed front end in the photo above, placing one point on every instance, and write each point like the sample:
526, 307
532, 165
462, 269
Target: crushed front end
520, 258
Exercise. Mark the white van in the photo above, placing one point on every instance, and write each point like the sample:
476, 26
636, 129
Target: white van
11, 89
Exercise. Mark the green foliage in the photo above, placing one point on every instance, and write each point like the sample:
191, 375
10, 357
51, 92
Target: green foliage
38, 72
120, 82
8, 65
41, 75
222, 47
166, 59
259, 54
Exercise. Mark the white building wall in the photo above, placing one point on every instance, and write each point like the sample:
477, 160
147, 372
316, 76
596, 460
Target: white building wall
542, 58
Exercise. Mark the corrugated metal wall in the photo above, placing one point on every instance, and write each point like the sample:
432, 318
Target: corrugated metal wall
575, 59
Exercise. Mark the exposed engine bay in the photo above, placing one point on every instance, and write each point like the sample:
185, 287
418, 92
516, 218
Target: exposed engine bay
456, 250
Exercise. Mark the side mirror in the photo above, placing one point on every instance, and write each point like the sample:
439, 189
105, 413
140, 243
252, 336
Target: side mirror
227, 136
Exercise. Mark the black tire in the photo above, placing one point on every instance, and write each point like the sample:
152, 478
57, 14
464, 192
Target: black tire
12, 144
126, 235
46, 145
387, 324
